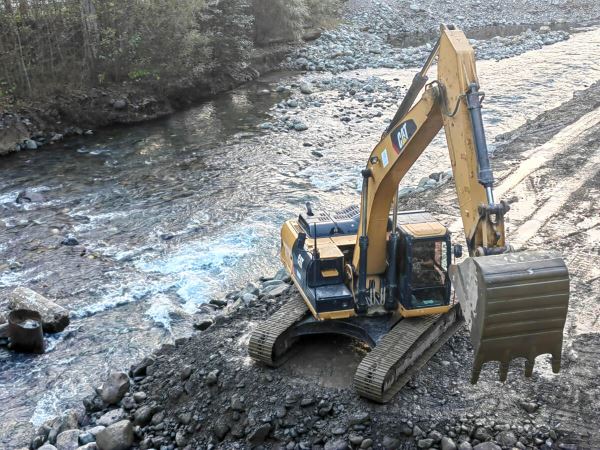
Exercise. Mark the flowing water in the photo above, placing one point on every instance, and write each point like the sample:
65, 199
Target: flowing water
179, 211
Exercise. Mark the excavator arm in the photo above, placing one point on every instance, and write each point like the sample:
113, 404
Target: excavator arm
515, 304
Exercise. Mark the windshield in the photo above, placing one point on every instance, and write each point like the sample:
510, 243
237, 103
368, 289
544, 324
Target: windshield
430, 263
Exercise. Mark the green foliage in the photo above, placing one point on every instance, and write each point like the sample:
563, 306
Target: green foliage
61, 44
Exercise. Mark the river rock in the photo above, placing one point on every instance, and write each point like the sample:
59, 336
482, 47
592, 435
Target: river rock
69, 241
425, 443
86, 437
68, 440
143, 415
482, 434
487, 446
181, 439
282, 275
47, 447
139, 396
212, 377
118, 436
278, 290
506, 438
30, 144
464, 446
111, 417
120, 104
336, 445
367, 443
259, 434
114, 388
300, 126
141, 369
55, 318
448, 443
390, 443
89, 446
530, 407
69, 420
306, 88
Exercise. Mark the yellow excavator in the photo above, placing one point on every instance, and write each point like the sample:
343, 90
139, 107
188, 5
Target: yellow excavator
387, 277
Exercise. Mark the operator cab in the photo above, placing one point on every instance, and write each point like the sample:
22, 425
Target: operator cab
424, 257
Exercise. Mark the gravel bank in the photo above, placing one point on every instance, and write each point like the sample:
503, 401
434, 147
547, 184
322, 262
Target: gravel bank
397, 34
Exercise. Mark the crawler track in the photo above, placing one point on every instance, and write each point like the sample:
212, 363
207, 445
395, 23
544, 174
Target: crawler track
385, 370
270, 340
401, 353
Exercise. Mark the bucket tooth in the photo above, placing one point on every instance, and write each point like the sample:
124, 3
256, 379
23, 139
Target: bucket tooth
529, 368
515, 306
503, 371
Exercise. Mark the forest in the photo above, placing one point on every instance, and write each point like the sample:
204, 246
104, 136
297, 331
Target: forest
53, 46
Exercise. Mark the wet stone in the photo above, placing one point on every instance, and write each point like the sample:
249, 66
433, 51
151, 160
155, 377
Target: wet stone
55, 318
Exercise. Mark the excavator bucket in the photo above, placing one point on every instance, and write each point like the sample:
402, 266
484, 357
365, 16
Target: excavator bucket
515, 305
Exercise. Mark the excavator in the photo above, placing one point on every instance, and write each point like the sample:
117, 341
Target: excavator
394, 279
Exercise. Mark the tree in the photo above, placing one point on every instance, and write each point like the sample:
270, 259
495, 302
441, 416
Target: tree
89, 24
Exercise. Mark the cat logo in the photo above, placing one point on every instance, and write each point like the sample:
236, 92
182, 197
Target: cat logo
300, 261
402, 134
402, 137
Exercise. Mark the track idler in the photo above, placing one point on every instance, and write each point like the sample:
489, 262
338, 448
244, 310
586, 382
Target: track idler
515, 305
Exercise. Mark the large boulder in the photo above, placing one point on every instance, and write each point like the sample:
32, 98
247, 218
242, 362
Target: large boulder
11, 133
114, 388
118, 436
55, 318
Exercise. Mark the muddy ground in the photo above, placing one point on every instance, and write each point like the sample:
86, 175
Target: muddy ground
204, 391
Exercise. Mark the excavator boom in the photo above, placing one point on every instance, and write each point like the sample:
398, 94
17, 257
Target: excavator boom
515, 304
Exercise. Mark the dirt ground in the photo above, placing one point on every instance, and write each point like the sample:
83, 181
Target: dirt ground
205, 392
